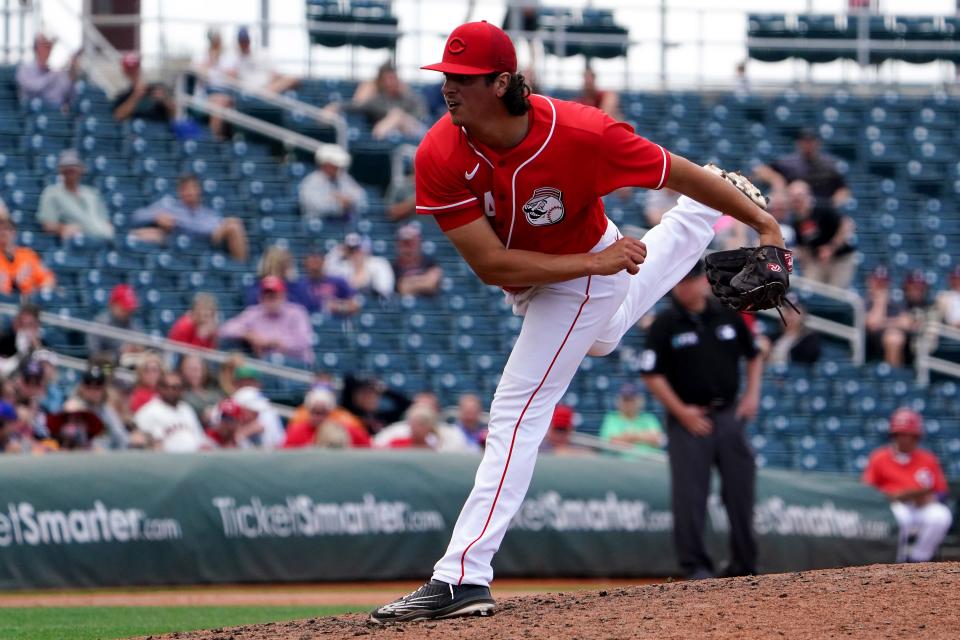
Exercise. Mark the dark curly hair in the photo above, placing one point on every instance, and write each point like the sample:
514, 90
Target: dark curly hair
517, 97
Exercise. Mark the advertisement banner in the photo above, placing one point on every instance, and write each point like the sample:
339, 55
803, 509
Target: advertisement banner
85, 520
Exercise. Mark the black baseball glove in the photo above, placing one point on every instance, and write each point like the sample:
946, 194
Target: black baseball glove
751, 278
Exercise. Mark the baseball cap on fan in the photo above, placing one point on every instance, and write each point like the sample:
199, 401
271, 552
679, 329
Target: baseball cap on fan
476, 49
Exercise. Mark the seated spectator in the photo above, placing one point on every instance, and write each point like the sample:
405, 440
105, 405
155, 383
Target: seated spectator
390, 106
590, 95
422, 429
401, 197
90, 394
811, 165
274, 326
254, 70
797, 343
329, 294
53, 393
225, 373
329, 191
186, 214
824, 248
148, 101
947, 308
419, 431
91, 390
778, 204
198, 326
119, 314
250, 397
417, 274
363, 272
277, 261
199, 390
22, 337
913, 481
29, 395
301, 435
631, 425
171, 423
558, 436
891, 326
119, 391
234, 427
150, 372
372, 402
17, 436
37, 80
470, 418
75, 427
69, 209
214, 87
21, 270
320, 428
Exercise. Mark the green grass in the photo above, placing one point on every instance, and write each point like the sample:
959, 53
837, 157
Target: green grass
102, 623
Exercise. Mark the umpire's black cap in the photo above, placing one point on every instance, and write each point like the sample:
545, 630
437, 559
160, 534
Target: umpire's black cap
697, 270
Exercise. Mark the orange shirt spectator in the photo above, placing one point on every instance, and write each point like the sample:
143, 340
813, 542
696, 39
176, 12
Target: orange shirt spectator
20, 267
320, 408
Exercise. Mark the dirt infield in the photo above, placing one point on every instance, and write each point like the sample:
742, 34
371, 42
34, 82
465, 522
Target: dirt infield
881, 601
350, 594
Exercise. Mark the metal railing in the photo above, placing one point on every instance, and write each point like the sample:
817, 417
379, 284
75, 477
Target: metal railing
100, 59
290, 139
14, 41
855, 334
926, 345
297, 107
160, 344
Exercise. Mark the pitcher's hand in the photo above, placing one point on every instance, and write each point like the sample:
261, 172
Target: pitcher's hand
625, 253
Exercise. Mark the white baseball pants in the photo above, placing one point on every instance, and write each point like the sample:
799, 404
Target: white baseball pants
930, 523
562, 323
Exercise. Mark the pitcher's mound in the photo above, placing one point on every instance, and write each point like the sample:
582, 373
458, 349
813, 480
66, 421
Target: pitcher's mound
880, 601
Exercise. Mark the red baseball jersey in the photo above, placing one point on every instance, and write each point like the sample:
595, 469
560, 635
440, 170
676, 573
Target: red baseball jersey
920, 471
543, 194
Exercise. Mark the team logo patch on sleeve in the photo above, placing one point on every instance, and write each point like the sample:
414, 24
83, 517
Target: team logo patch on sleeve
545, 207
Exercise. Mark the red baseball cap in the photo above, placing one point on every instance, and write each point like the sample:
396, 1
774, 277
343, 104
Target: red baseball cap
273, 283
125, 296
562, 418
476, 49
906, 421
230, 409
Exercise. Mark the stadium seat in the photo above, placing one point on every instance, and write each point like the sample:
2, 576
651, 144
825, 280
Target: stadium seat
769, 26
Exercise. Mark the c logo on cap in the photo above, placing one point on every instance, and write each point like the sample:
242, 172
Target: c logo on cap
456, 45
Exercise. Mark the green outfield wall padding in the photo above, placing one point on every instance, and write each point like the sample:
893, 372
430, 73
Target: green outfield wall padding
84, 520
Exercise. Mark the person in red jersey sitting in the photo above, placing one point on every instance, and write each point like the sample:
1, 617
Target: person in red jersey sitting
913, 481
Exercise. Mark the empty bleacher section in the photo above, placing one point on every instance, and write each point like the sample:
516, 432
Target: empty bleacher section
866, 38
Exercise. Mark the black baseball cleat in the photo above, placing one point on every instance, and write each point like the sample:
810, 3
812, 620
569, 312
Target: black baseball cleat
436, 600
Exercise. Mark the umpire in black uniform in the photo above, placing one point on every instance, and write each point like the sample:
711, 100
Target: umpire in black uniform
692, 365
